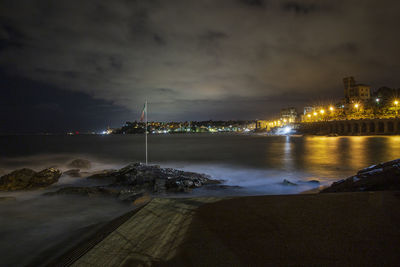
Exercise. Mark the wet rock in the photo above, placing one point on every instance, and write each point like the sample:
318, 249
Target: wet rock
24, 179
45, 178
73, 173
383, 176
80, 164
85, 191
134, 180
152, 178
287, 182
17, 180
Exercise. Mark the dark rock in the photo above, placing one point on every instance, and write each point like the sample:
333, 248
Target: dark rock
137, 179
152, 178
45, 178
24, 179
17, 180
80, 164
313, 181
85, 191
287, 182
73, 173
383, 176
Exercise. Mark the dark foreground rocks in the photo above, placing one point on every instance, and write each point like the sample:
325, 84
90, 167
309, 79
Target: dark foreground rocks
383, 176
25, 179
139, 180
154, 179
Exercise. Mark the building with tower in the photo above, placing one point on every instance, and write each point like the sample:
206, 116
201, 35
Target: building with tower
354, 93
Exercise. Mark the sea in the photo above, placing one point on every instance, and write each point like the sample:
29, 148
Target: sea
248, 164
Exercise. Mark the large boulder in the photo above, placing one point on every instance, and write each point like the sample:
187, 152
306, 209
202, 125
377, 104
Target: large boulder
24, 179
80, 164
154, 179
383, 176
16, 180
139, 181
45, 178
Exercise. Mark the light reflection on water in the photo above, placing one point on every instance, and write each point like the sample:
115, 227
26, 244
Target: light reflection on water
311, 156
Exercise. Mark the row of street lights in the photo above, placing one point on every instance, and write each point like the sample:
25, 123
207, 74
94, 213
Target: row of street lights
331, 109
321, 111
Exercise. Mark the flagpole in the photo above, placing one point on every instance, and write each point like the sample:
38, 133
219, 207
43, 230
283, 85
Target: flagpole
146, 128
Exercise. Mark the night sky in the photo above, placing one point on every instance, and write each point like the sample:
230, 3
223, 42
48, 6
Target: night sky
84, 65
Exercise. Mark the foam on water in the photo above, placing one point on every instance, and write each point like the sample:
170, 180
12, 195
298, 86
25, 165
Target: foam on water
256, 181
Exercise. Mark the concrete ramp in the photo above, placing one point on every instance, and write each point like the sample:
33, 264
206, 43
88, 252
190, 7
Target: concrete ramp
152, 235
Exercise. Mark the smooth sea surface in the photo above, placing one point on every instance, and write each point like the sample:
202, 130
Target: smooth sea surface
257, 164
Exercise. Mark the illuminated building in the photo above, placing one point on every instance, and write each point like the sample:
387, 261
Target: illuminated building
354, 92
289, 114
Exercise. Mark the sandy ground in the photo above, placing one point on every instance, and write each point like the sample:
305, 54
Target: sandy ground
338, 229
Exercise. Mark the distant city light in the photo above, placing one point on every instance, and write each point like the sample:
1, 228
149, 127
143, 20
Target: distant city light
377, 100
309, 115
331, 108
396, 102
315, 113
284, 130
322, 111
356, 105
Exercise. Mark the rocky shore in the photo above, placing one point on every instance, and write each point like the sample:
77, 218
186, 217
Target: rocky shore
381, 177
127, 184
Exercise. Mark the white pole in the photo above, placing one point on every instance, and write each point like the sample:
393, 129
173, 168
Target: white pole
146, 127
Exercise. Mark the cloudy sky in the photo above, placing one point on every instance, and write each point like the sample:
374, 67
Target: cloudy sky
83, 65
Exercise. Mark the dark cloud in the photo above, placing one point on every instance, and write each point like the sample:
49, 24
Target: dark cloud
257, 3
211, 35
159, 40
299, 8
198, 59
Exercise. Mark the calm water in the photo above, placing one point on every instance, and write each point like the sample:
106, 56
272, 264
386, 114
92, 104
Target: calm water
252, 161
258, 164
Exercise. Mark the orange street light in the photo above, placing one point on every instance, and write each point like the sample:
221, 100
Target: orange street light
331, 108
322, 111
